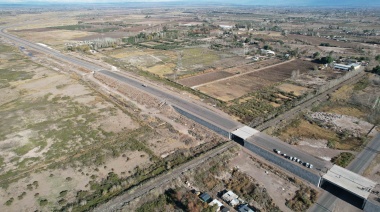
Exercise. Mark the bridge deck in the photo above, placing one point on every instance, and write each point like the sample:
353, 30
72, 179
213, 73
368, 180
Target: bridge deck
350, 181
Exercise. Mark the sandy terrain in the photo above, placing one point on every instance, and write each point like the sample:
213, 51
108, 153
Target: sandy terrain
297, 90
233, 88
278, 188
343, 123
318, 148
53, 38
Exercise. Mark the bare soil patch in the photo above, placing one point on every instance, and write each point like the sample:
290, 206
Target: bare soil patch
236, 87
54, 38
278, 188
204, 78
295, 89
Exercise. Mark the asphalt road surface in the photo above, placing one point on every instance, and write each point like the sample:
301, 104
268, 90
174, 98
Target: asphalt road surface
196, 108
327, 200
269, 143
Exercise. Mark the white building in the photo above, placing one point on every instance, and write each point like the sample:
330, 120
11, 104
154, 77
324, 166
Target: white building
231, 198
347, 67
216, 202
226, 27
268, 52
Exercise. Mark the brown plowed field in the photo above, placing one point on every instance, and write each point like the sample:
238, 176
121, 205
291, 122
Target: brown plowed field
204, 78
239, 66
230, 89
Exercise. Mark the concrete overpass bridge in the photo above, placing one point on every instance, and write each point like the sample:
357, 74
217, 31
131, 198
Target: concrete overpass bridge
323, 174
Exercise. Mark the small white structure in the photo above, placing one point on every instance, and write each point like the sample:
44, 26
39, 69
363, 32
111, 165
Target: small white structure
231, 198
216, 202
225, 26
245, 132
347, 67
268, 52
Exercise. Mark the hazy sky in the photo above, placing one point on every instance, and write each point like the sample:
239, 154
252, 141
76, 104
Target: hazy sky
351, 3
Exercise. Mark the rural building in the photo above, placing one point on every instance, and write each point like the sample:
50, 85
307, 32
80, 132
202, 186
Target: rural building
268, 52
231, 198
216, 202
244, 208
225, 26
205, 197
347, 67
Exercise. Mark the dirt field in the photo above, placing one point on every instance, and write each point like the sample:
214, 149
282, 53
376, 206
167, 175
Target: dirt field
204, 78
52, 122
278, 188
236, 87
297, 90
53, 38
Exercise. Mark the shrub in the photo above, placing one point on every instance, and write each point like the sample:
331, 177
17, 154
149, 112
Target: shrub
43, 202
9, 202
63, 193
343, 159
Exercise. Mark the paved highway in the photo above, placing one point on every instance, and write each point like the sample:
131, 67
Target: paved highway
49, 51
327, 200
267, 142
197, 108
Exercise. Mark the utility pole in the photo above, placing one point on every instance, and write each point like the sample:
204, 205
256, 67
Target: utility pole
179, 64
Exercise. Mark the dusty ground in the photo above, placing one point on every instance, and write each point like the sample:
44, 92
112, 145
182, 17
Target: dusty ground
54, 124
278, 188
343, 123
318, 148
297, 90
53, 38
236, 87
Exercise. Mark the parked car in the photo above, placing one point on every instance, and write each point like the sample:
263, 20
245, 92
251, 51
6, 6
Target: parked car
277, 151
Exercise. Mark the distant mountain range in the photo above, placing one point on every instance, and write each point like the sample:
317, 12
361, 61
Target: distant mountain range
300, 3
